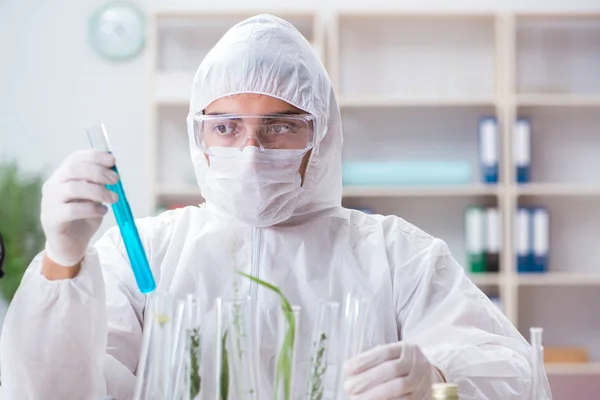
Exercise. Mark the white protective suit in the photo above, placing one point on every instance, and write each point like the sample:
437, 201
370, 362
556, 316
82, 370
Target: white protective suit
80, 338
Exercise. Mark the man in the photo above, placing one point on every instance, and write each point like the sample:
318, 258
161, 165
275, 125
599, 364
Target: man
266, 141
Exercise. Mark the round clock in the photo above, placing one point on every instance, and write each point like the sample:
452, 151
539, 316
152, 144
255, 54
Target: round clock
117, 31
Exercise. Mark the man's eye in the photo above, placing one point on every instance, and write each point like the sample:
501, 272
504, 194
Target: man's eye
223, 129
279, 129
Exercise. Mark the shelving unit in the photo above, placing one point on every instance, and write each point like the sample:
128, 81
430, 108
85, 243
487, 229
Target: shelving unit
414, 86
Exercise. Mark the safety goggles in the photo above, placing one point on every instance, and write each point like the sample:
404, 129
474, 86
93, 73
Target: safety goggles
275, 131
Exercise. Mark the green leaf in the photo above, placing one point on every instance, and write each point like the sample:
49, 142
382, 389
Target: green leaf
224, 369
286, 353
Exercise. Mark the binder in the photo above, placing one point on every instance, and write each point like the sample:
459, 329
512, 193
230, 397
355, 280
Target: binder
489, 153
492, 239
523, 239
522, 149
541, 239
474, 238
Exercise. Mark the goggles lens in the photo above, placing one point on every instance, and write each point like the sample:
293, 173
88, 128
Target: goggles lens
291, 132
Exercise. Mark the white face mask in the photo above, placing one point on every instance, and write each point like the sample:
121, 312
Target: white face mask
259, 188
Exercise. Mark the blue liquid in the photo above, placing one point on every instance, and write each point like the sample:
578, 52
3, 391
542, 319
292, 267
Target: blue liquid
131, 237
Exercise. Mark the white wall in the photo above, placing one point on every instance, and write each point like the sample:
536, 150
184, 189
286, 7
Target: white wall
52, 85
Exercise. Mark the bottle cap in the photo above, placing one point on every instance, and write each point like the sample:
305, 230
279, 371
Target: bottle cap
444, 390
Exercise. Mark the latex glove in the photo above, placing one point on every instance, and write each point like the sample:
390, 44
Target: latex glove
393, 371
72, 208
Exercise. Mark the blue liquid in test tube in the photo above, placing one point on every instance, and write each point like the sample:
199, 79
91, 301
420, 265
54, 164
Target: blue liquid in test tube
133, 244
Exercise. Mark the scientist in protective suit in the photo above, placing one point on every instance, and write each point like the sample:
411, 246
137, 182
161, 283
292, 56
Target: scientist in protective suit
266, 140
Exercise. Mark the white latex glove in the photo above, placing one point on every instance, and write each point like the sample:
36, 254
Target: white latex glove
393, 371
72, 208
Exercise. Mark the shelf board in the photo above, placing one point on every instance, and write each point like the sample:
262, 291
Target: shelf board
356, 101
485, 279
203, 12
410, 14
420, 191
178, 191
557, 189
559, 279
558, 100
573, 368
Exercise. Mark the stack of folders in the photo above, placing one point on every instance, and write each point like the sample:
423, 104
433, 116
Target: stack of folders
532, 239
489, 149
483, 239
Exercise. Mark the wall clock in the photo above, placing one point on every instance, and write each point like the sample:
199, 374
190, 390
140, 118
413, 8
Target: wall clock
117, 31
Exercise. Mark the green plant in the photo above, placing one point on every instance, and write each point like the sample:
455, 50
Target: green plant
319, 367
224, 369
283, 370
195, 380
20, 197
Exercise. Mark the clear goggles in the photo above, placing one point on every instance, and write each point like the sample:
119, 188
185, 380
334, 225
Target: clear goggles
276, 131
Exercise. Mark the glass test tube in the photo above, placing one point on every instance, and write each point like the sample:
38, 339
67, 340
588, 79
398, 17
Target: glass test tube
143, 368
154, 369
137, 256
221, 371
287, 341
187, 355
238, 323
323, 336
354, 322
538, 360
177, 355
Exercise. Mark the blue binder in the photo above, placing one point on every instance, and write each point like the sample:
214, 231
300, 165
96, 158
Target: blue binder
489, 149
522, 149
523, 241
541, 239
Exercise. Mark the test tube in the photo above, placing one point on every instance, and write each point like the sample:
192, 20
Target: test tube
143, 368
187, 358
221, 371
238, 323
354, 323
322, 339
137, 256
154, 369
538, 359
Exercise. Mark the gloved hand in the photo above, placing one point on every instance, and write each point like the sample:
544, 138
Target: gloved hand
71, 209
393, 371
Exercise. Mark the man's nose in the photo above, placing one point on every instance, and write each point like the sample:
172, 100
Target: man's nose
252, 142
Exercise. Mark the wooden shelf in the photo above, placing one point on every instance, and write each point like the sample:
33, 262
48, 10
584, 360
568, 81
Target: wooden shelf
489, 56
420, 191
559, 279
573, 369
485, 279
558, 100
202, 12
557, 189
180, 191
356, 101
